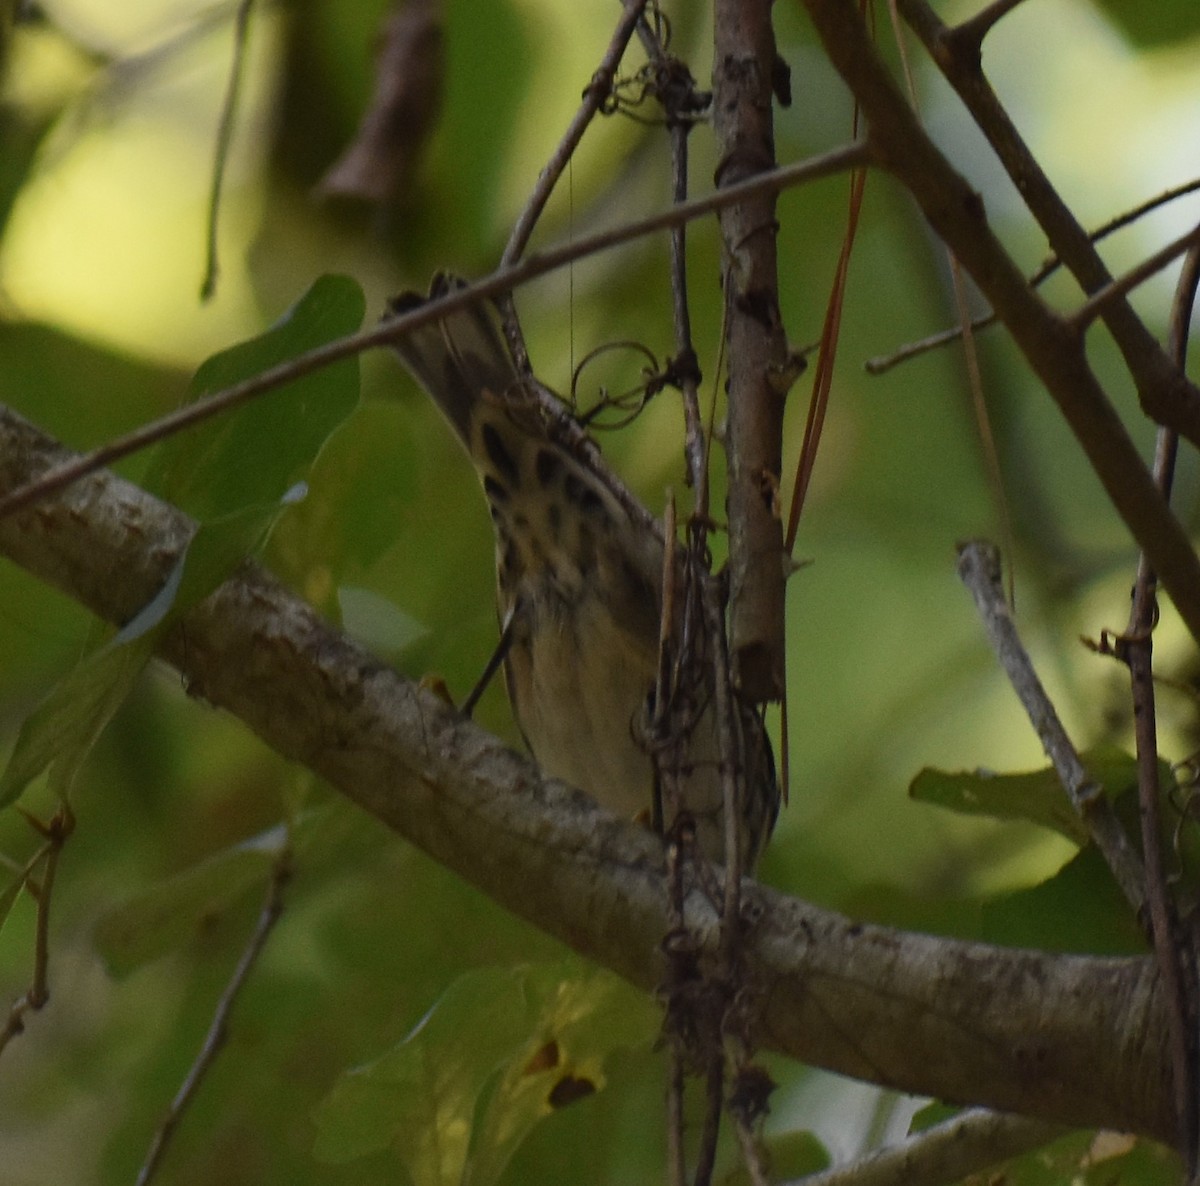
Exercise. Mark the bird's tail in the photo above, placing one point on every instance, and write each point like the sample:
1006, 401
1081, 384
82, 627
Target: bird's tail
459, 359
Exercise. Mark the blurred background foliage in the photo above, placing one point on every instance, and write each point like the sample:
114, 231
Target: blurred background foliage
107, 127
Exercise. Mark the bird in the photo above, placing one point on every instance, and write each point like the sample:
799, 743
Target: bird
579, 591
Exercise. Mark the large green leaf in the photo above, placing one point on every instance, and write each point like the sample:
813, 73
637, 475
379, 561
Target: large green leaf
64, 727
584, 1014
1152, 23
1079, 909
1036, 796
254, 454
537, 1036
236, 474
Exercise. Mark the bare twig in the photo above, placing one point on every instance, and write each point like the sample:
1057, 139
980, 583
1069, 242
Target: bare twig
35, 997
675, 90
594, 96
1166, 393
1055, 352
979, 568
241, 28
946, 1153
1116, 289
500, 281
975, 29
218, 1031
884, 362
1176, 961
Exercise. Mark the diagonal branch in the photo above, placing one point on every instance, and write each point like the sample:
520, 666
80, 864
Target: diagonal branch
1052, 347
1071, 1039
1164, 389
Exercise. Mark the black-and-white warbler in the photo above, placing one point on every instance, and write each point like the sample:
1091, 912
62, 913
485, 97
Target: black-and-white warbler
579, 577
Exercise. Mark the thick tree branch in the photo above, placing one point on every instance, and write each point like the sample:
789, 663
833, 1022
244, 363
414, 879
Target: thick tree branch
1054, 350
1069, 1039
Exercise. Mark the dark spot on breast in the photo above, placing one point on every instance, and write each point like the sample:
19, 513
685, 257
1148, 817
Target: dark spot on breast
584, 496
511, 570
585, 552
554, 521
549, 466
496, 491
499, 455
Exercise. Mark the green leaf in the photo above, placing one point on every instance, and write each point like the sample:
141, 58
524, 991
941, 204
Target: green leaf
423, 1092
253, 454
376, 622
537, 1036
1086, 1158
584, 1014
1079, 909
1154, 24
64, 727
235, 474
1037, 796
167, 914
213, 552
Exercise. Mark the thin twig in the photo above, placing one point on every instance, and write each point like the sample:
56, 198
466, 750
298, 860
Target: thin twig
948, 1152
1054, 351
979, 569
1167, 395
976, 28
678, 99
1137, 648
884, 362
241, 27
35, 997
753, 1156
502, 280
218, 1031
710, 1128
594, 96
1095, 305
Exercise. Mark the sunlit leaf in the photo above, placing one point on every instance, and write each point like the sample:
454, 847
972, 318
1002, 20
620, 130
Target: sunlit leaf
377, 623
422, 1094
544, 1031
583, 1015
